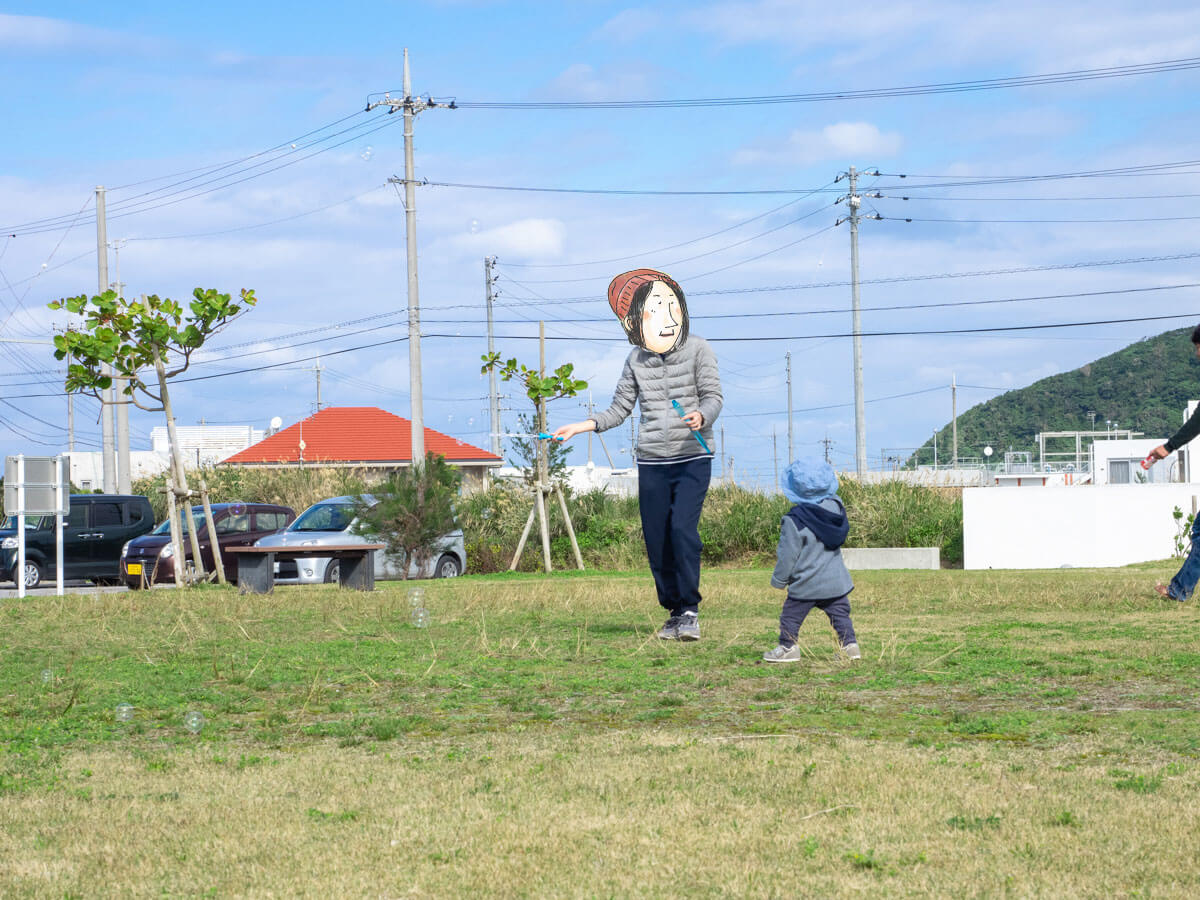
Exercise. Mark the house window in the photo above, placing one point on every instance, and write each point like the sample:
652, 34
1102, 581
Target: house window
1118, 471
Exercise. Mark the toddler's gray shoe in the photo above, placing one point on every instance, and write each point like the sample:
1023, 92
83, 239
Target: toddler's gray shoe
851, 651
783, 654
670, 629
689, 627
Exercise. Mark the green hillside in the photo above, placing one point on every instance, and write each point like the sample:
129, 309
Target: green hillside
1144, 387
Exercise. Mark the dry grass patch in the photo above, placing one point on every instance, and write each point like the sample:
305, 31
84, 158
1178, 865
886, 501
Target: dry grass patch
660, 813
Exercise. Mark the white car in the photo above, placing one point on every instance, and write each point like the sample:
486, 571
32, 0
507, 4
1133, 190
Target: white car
329, 522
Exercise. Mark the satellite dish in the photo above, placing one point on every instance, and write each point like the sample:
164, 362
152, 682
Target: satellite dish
987, 451
276, 423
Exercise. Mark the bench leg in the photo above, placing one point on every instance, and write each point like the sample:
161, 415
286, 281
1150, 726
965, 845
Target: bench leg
357, 572
256, 573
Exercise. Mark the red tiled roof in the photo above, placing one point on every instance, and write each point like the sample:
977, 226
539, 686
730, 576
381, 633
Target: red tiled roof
356, 434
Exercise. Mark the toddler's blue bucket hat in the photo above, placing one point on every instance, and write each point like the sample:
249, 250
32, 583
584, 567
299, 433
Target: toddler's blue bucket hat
808, 481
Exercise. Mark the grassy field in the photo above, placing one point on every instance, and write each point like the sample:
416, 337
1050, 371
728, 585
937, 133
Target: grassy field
1006, 734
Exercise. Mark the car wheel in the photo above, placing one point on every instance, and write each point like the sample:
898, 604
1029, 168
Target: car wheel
333, 571
33, 574
447, 566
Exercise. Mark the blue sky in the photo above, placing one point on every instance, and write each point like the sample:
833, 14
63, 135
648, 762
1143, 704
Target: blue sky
141, 97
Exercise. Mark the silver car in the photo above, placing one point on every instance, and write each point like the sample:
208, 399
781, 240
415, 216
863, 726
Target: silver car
329, 522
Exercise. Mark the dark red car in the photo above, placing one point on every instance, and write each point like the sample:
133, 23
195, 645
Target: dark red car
150, 559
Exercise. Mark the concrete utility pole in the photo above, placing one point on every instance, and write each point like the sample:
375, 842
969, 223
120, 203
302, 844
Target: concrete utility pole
411, 106
954, 418
318, 369
791, 455
854, 202
106, 398
775, 453
124, 472
489, 280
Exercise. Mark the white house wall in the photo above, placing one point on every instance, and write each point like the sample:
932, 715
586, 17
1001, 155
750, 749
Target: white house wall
1090, 526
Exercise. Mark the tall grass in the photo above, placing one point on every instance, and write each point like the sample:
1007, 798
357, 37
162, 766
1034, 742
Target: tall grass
296, 487
738, 527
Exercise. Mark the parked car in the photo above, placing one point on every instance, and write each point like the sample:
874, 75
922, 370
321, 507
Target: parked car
93, 532
150, 559
330, 522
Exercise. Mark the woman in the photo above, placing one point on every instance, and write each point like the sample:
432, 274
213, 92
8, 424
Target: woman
674, 461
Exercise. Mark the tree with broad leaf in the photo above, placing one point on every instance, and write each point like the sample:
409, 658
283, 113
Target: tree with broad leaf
539, 388
130, 337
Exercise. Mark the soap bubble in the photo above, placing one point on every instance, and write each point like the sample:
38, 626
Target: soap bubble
124, 712
367, 152
47, 676
416, 597
420, 617
193, 721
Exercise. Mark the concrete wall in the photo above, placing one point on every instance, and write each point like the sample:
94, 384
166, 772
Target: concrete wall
1049, 528
892, 557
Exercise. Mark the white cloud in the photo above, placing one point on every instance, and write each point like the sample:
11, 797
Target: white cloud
581, 81
629, 25
523, 239
38, 33
840, 141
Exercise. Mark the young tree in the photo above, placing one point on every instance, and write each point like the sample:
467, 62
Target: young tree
541, 389
130, 337
411, 510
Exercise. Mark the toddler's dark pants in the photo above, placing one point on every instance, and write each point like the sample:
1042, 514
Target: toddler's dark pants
795, 611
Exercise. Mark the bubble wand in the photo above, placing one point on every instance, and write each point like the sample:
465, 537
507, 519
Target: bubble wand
695, 434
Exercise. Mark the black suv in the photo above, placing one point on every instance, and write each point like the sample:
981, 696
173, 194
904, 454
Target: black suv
93, 534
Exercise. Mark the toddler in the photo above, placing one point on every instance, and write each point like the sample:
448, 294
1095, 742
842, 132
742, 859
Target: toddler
809, 558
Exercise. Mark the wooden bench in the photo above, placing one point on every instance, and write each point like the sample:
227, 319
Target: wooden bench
256, 565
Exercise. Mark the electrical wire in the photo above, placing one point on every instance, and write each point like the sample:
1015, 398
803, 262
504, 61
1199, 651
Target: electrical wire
952, 87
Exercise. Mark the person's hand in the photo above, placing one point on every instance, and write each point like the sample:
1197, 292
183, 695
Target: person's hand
694, 420
1159, 452
566, 432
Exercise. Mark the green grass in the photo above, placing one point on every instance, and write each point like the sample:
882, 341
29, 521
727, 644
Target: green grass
1081, 685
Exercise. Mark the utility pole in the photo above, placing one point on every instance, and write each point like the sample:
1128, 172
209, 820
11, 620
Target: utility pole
721, 477
954, 418
489, 280
775, 453
827, 442
124, 474
791, 455
106, 398
318, 369
854, 202
411, 106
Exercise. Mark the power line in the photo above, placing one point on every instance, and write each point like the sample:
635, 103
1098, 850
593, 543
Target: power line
158, 199
889, 308
931, 276
952, 87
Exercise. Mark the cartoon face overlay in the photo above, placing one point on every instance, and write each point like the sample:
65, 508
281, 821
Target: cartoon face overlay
660, 318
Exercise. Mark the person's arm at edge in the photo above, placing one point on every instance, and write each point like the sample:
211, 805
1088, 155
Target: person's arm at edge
618, 411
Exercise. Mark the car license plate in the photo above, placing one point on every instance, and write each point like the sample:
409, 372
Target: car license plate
133, 568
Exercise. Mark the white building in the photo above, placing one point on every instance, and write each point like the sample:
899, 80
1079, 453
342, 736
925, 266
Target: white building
201, 446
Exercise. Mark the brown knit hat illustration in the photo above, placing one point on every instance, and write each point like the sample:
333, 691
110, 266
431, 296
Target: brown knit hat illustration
621, 289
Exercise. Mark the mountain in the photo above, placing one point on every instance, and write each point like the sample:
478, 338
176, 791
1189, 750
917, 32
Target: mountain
1144, 387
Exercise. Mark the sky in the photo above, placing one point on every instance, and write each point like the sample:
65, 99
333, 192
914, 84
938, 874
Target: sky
236, 151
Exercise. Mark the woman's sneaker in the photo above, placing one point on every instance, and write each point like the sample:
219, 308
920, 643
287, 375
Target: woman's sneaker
670, 629
783, 654
689, 627
851, 651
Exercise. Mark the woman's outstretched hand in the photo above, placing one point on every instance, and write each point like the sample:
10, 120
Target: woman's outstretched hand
566, 432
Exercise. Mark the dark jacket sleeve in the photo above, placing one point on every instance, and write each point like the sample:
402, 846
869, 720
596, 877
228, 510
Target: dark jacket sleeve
1189, 430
